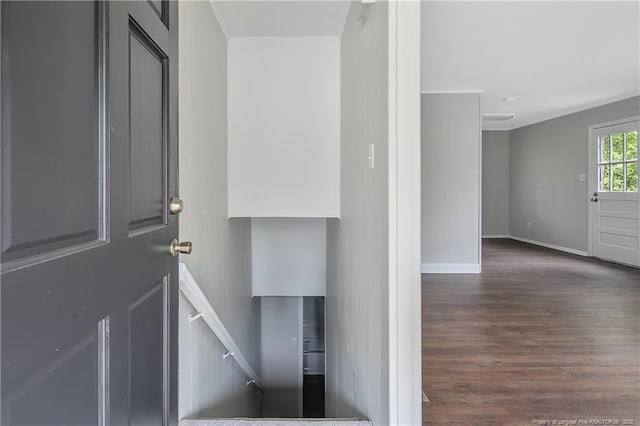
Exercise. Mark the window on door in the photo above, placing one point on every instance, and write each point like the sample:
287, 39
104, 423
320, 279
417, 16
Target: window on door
618, 162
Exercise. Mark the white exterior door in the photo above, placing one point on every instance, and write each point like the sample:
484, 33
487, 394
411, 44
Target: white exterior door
615, 204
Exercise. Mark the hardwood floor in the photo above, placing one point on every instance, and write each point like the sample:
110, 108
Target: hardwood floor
539, 335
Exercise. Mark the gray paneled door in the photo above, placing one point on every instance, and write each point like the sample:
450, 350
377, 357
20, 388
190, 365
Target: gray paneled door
89, 158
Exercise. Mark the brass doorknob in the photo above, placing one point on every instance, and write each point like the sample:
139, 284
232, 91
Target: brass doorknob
175, 248
175, 205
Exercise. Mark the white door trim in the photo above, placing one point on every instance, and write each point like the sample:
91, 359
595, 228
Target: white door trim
405, 337
592, 181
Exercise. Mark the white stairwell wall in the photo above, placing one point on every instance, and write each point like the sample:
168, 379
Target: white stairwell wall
221, 258
284, 126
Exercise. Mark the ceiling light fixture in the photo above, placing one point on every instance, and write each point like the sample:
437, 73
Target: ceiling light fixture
509, 99
503, 116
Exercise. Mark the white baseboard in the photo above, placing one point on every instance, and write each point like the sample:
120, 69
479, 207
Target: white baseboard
450, 268
551, 246
474, 268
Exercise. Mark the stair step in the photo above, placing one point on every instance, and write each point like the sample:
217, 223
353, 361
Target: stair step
244, 421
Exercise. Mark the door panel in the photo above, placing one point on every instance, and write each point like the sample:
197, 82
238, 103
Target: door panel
147, 103
147, 327
56, 397
618, 222
622, 241
50, 179
159, 6
89, 159
618, 204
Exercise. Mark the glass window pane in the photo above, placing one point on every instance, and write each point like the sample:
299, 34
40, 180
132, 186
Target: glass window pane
618, 177
603, 178
618, 147
632, 146
632, 177
604, 150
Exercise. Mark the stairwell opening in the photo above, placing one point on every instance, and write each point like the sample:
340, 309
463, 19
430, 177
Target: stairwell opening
279, 124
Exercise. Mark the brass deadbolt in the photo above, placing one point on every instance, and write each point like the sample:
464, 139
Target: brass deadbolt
175, 205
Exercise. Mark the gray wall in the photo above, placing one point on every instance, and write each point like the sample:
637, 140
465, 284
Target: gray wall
495, 183
281, 363
545, 161
221, 259
451, 163
289, 256
357, 377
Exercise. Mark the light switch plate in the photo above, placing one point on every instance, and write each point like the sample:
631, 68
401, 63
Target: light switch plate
372, 156
582, 177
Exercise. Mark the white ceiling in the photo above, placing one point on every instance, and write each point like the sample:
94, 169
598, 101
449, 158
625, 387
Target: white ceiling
553, 57
272, 18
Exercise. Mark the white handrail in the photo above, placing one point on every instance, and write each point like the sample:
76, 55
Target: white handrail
196, 297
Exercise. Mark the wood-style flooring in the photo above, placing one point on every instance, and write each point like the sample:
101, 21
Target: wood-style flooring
539, 335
